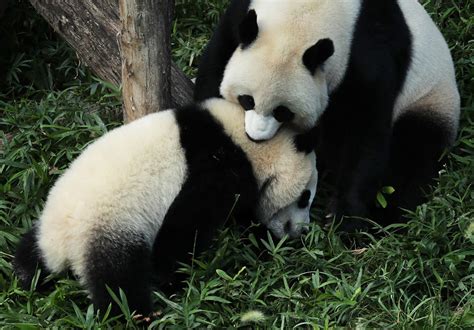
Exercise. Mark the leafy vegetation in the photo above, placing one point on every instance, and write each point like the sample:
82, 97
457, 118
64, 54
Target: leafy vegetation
51, 107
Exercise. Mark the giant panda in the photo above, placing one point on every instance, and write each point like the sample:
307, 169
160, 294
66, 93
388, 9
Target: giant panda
148, 194
375, 77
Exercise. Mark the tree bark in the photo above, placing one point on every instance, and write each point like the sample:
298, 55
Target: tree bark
146, 56
92, 28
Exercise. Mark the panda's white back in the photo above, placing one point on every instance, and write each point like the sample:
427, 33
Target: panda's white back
431, 81
127, 178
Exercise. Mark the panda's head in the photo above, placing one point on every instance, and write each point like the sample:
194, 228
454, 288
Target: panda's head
276, 75
293, 219
285, 201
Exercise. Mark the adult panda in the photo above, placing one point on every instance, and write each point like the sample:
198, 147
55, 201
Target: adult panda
148, 194
376, 75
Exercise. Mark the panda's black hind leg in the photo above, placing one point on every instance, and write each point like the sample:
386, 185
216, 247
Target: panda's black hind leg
418, 143
121, 260
28, 260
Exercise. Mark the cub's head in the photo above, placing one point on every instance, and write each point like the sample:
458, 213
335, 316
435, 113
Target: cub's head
286, 198
277, 76
293, 219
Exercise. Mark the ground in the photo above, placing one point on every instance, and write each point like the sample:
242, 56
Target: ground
51, 107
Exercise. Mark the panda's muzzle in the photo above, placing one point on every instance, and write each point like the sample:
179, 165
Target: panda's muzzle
259, 127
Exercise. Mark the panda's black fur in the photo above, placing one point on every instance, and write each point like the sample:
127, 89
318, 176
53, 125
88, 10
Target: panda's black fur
359, 146
218, 51
355, 130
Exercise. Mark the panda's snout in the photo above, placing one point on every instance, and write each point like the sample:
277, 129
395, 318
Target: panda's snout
260, 127
290, 220
294, 230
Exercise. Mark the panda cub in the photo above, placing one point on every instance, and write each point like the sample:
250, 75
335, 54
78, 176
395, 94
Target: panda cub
148, 194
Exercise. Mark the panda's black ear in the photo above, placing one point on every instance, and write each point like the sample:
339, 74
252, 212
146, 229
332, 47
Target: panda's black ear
248, 29
317, 54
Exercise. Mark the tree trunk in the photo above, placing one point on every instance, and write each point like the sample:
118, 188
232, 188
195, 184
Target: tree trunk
92, 28
146, 56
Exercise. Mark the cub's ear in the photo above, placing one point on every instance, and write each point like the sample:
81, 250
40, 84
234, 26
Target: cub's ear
248, 29
317, 54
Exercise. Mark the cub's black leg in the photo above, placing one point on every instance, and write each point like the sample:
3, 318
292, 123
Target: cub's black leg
120, 260
203, 206
174, 244
28, 260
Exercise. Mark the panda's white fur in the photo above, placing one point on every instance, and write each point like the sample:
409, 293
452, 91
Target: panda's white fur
271, 69
126, 179
431, 82
117, 195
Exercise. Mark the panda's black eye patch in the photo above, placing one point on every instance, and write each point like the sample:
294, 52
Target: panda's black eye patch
303, 202
246, 101
283, 114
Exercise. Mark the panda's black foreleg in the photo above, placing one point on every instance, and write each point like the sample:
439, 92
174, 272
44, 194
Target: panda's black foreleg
188, 229
360, 174
362, 107
120, 261
210, 197
173, 245
354, 149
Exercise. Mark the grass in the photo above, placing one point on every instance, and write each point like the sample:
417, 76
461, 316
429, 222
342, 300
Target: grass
51, 108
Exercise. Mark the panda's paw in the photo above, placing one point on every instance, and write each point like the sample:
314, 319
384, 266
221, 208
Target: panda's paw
346, 216
351, 225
